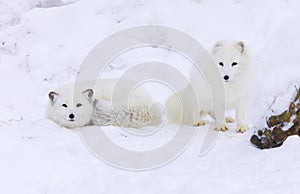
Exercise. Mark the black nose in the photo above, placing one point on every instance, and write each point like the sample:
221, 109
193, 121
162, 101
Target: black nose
71, 116
226, 77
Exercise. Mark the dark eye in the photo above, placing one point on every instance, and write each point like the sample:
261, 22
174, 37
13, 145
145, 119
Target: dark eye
78, 105
64, 105
234, 64
221, 64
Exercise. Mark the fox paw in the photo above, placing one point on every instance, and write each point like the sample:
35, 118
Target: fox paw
201, 123
229, 120
242, 128
222, 128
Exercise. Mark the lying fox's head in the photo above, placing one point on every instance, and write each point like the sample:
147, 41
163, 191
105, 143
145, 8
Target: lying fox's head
71, 109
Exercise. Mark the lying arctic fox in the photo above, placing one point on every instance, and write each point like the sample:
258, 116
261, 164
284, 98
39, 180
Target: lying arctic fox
85, 103
238, 74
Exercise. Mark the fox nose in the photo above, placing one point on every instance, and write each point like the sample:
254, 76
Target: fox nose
226, 77
71, 116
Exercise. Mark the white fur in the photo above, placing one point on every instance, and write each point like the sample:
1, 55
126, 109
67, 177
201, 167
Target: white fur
65, 102
126, 116
133, 109
237, 87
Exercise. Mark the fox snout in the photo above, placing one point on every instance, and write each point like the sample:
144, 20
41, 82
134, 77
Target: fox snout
71, 116
226, 77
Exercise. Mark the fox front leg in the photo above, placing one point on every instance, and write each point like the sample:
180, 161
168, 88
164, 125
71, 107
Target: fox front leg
240, 112
220, 122
221, 126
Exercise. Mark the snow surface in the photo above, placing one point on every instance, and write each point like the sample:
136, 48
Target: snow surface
42, 44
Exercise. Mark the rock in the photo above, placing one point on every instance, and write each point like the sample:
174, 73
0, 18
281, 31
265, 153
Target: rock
274, 136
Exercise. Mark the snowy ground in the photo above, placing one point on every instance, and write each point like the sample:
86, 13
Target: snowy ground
43, 42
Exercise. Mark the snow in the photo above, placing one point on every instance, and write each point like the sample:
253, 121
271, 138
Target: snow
42, 44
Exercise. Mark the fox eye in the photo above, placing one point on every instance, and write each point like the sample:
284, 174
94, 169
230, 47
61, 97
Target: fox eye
78, 105
64, 105
221, 64
234, 64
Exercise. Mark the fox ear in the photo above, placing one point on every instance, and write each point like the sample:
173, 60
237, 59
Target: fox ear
216, 47
89, 94
240, 46
53, 96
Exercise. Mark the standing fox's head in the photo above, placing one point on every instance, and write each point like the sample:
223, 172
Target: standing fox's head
231, 58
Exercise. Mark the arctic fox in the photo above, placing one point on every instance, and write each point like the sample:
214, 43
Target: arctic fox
233, 61
88, 103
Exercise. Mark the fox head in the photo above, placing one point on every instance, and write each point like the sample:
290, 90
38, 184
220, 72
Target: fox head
231, 59
71, 109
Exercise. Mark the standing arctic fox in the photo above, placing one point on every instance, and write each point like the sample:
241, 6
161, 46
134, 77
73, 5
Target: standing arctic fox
85, 103
232, 59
